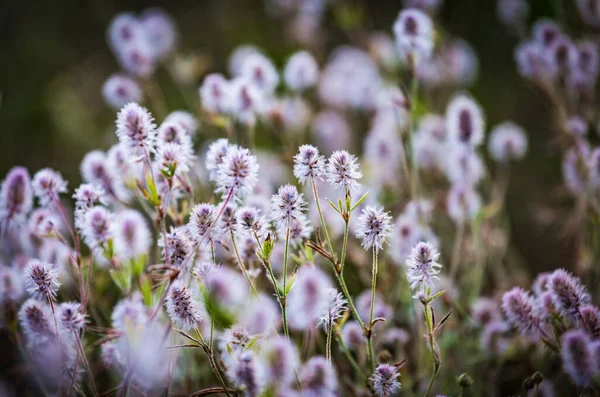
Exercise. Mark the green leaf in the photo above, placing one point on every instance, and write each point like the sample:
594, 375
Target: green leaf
252, 342
122, 278
360, 201
290, 284
336, 209
153, 196
432, 298
146, 290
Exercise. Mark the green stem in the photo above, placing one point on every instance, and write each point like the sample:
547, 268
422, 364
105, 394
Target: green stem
414, 91
372, 309
349, 356
241, 263
212, 362
323, 224
328, 343
285, 265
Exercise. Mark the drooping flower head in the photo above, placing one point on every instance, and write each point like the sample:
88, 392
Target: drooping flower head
413, 31
464, 121
47, 185
301, 71
130, 234
374, 227
422, 266
119, 90
41, 280
308, 164
181, 307
238, 173
136, 130
385, 380
287, 205
16, 199
342, 171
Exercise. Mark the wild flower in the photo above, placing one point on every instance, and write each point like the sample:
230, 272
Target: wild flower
176, 246
215, 93
577, 357
331, 131
245, 101
309, 298
462, 203
353, 335
464, 121
36, 319
183, 119
203, 224
518, 307
301, 71
71, 317
374, 227
11, 285
260, 316
16, 198
181, 307
318, 377
161, 33
47, 186
281, 361
251, 222
217, 151
568, 295
385, 380
131, 236
260, 72
334, 310
238, 173
41, 280
507, 142
129, 313
287, 205
119, 90
136, 130
174, 132
422, 266
172, 159
308, 164
343, 171
96, 226
247, 373
414, 33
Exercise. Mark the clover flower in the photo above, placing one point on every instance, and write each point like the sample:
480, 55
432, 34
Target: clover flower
35, 319
41, 280
172, 159
464, 121
215, 93
308, 164
131, 236
309, 298
47, 185
247, 373
119, 90
70, 316
174, 132
178, 246
252, 222
181, 307
287, 205
374, 227
136, 130
414, 33
342, 171
238, 173
203, 224
16, 198
318, 376
161, 33
215, 155
507, 142
422, 266
301, 71
183, 119
281, 360
568, 295
335, 308
577, 358
260, 71
96, 226
518, 307
129, 312
353, 334
385, 380
462, 203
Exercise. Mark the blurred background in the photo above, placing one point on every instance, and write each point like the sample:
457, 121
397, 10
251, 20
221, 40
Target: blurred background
55, 59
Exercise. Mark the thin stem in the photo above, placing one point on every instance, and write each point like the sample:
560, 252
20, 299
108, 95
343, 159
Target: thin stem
212, 362
328, 343
433, 376
241, 263
323, 224
285, 265
372, 309
434, 355
414, 91
86, 364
